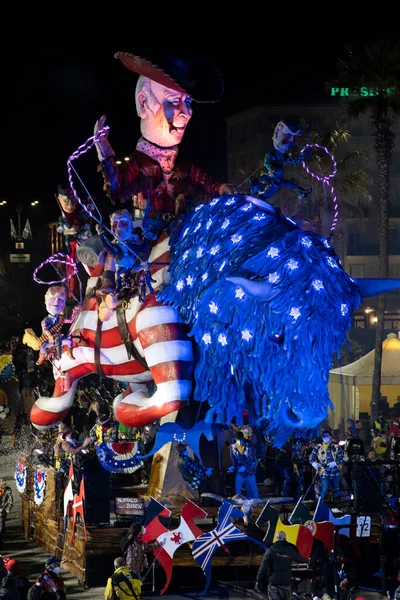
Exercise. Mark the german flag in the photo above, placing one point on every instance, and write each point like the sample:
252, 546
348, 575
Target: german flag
299, 535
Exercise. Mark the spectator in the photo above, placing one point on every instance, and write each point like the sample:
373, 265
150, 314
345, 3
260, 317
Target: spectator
8, 589
361, 431
22, 583
276, 568
346, 574
122, 584
49, 586
135, 550
6, 504
396, 408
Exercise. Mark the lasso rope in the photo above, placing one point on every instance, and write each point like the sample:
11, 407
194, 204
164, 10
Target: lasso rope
82, 149
57, 258
325, 180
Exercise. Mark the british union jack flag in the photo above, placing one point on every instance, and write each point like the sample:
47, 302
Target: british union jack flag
206, 544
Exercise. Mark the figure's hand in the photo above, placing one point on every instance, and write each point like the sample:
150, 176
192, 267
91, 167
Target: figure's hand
99, 228
226, 188
103, 146
231, 469
209, 471
316, 465
332, 464
257, 587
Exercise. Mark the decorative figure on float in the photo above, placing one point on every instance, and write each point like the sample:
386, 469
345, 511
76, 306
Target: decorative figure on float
74, 224
326, 458
195, 474
244, 464
164, 94
268, 184
68, 449
51, 341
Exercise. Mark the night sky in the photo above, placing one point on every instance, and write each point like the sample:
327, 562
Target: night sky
56, 91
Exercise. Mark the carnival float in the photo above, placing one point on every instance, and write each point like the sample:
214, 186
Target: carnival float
216, 314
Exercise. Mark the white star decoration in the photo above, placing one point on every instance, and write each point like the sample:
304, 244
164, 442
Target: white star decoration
344, 309
185, 254
199, 252
180, 285
236, 238
230, 202
222, 339
225, 224
208, 224
214, 202
273, 252
239, 293
204, 277
259, 217
327, 244
197, 227
295, 313
292, 264
273, 277
332, 263
206, 339
213, 308
214, 250
306, 242
317, 284
189, 280
246, 335
247, 207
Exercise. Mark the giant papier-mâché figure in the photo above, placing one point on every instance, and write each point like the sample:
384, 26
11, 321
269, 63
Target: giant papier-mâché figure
264, 304
268, 184
51, 341
164, 94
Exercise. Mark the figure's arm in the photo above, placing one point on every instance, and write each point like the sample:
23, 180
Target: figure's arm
339, 459
117, 179
70, 449
75, 311
208, 183
262, 573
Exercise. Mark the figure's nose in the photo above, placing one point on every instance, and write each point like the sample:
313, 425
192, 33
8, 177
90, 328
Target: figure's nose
184, 109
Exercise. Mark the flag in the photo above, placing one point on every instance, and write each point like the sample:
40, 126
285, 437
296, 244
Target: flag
27, 231
13, 232
207, 543
299, 535
154, 527
323, 531
170, 541
68, 493
324, 513
78, 509
300, 514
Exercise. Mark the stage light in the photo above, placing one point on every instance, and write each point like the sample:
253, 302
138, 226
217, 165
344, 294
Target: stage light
126, 158
118, 162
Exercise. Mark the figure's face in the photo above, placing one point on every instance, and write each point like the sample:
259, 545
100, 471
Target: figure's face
68, 203
326, 438
166, 126
122, 228
55, 304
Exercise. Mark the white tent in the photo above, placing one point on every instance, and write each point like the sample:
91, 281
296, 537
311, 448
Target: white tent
350, 387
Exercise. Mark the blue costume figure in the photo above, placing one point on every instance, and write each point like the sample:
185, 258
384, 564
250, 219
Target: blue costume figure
326, 458
271, 180
244, 464
192, 472
300, 452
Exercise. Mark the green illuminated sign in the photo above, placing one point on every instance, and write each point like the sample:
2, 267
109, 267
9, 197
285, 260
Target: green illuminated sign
363, 91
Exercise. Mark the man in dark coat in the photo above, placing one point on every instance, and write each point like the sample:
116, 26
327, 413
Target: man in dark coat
276, 568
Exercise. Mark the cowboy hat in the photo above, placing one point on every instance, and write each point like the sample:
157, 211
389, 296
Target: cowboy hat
193, 75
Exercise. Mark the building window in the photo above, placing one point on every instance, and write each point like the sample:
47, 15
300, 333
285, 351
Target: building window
356, 270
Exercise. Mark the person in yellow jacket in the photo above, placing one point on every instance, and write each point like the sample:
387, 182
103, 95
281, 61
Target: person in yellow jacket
122, 584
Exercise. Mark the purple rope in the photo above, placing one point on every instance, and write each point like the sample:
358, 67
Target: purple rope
56, 258
325, 179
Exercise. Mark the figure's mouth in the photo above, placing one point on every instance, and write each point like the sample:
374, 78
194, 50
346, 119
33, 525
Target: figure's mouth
179, 128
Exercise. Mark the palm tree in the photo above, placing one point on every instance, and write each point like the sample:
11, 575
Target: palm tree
376, 67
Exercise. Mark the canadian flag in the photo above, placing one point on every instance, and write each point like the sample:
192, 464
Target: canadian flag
170, 541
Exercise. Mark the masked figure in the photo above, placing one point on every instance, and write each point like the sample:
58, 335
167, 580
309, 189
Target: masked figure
244, 464
192, 472
326, 458
164, 94
269, 183
51, 342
